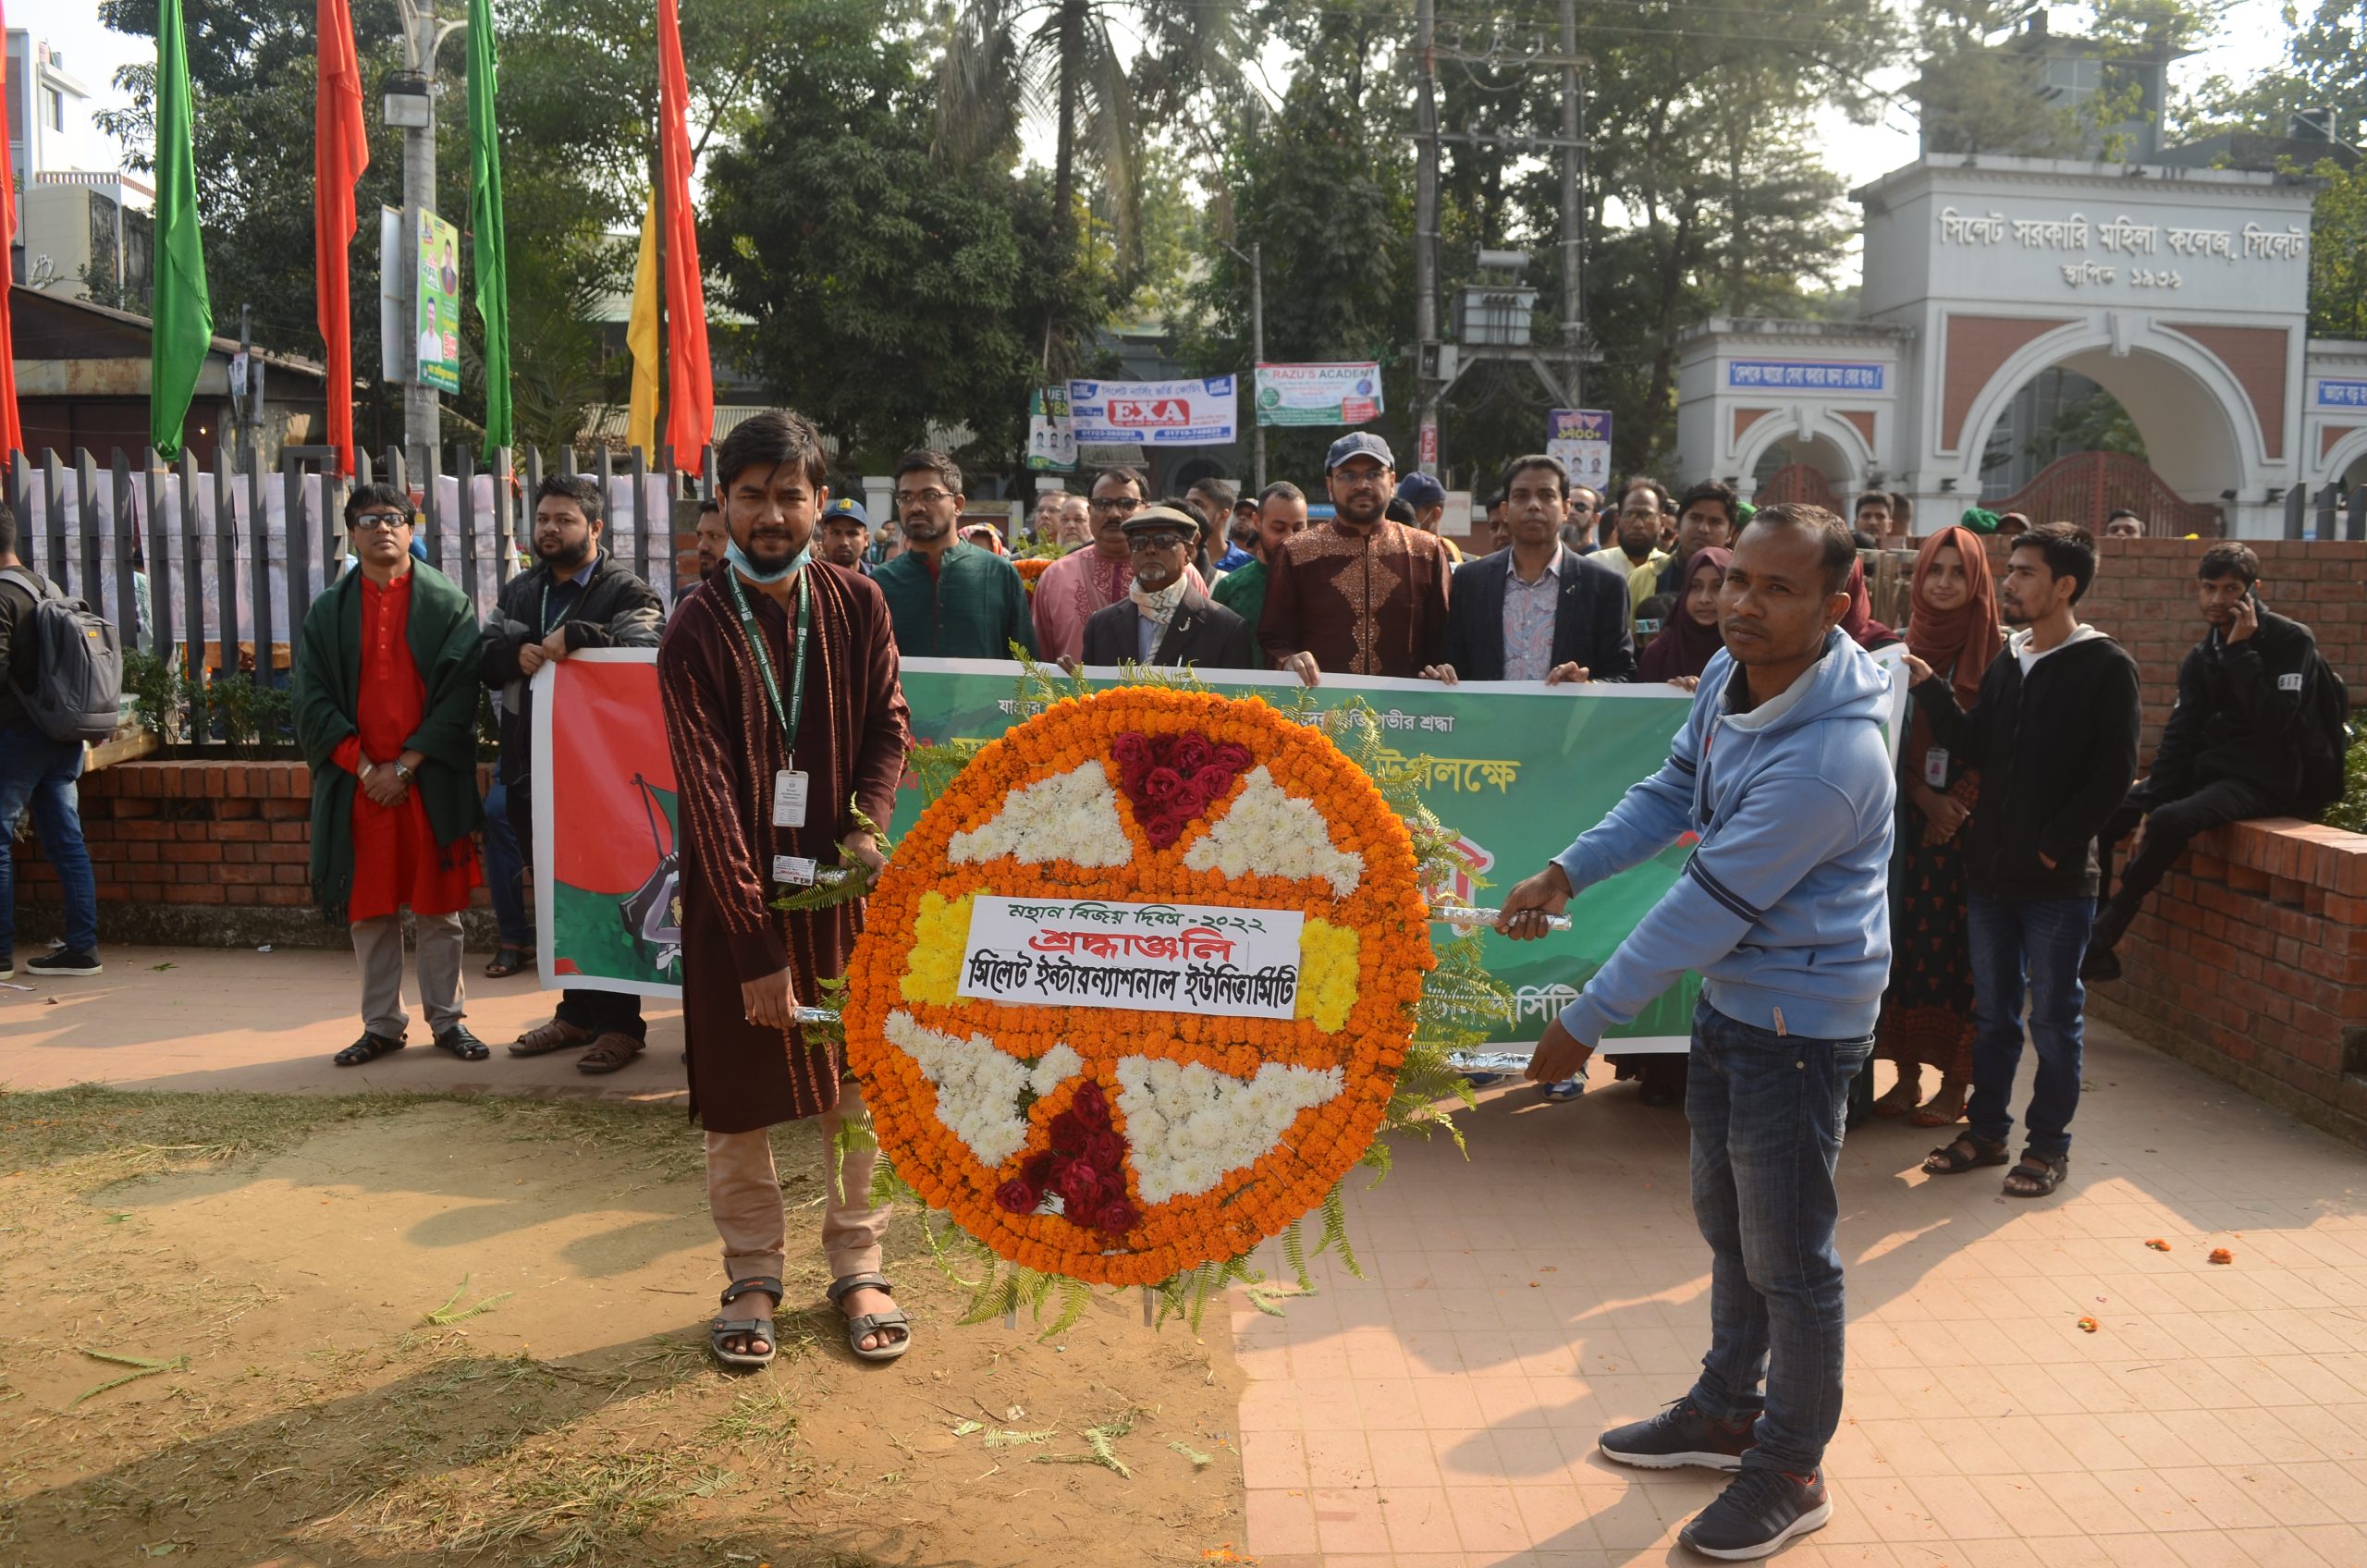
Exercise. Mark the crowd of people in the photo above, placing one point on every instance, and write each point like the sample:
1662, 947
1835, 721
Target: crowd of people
1846, 898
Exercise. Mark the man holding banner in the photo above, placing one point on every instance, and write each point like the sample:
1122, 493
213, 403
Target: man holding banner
1784, 771
788, 730
1359, 594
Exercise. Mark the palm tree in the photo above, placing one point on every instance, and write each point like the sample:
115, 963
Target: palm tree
1007, 62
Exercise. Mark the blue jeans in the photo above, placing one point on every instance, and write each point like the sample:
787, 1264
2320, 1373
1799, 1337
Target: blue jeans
39, 772
2032, 945
505, 869
1767, 1112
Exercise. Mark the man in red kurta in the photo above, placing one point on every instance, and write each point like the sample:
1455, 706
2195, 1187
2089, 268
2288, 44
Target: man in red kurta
385, 709
743, 709
1358, 594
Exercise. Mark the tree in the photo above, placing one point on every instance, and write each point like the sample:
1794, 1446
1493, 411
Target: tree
1004, 62
890, 294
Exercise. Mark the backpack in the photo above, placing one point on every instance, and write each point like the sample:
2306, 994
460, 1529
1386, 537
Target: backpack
2326, 736
79, 660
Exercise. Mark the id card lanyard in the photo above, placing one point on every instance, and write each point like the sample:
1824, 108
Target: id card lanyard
788, 784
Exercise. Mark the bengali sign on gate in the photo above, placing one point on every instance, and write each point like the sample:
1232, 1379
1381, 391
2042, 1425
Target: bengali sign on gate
1148, 957
1153, 413
1318, 394
1517, 769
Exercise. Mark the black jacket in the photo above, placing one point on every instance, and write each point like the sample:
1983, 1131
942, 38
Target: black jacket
2241, 712
1202, 633
20, 650
1590, 625
617, 611
2056, 751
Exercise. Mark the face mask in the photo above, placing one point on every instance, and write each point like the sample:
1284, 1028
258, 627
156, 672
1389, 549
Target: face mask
754, 573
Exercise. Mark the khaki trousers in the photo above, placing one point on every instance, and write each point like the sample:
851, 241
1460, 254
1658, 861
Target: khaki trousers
743, 1192
378, 945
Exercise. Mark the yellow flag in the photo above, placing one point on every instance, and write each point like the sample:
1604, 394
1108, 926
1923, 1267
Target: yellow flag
641, 337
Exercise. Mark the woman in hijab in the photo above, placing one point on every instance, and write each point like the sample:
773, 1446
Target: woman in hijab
1680, 651
1927, 1012
1863, 629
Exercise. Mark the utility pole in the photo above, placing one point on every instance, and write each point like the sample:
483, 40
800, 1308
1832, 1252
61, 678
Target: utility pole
1428, 384
1256, 357
423, 406
1573, 230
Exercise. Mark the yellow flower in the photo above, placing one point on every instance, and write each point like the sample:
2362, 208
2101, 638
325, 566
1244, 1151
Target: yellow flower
1327, 973
940, 935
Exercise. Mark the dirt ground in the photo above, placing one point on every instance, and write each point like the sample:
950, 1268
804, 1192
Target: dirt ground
386, 1330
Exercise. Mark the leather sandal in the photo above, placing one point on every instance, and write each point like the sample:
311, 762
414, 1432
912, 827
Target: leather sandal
759, 1326
556, 1036
1969, 1152
609, 1052
2037, 1175
873, 1322
368, 1048
508, 962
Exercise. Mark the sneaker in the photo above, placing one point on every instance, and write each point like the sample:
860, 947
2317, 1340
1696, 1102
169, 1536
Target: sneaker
1756, 1514
8, 966
63, 962
1678, 1435
2100, 963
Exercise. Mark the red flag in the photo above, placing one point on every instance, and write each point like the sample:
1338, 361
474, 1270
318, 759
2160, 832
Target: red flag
340, 151
12, 436
690, 383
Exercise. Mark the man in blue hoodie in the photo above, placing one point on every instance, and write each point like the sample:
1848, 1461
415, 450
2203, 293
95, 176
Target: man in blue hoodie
1783, 770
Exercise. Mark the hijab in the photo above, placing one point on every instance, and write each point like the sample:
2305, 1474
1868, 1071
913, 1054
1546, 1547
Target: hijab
1684, 646
1958, 644
1859, 623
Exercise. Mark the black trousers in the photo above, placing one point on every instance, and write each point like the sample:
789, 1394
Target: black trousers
2169, 826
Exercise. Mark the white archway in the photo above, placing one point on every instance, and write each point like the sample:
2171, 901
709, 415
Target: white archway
2202, 436
1833, 446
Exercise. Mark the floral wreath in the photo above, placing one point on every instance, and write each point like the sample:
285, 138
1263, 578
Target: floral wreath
1091, 1145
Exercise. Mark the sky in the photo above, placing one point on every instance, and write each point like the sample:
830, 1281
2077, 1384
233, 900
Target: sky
2253, 42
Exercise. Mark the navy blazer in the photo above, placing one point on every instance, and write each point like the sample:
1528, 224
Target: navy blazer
1590, 624
1203, 634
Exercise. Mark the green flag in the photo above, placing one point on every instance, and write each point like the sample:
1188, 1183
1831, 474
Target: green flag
490, 241
183, 326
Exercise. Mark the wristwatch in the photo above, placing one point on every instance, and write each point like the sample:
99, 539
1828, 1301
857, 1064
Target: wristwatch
405, 774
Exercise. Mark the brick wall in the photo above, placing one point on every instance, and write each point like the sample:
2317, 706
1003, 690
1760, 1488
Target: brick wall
2251, 960
215, 854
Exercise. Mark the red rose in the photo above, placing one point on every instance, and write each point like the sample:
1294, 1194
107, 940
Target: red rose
1114, 1217
1017, 1197
1230, 757
1162, 829
1039, 1171
1189, 753
1103, 1151
1131, 749
1080, 1190
1162, 784
1210, 781
1066, 1128
1090, 1106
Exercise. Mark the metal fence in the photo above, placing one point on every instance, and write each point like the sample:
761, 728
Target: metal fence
214, 571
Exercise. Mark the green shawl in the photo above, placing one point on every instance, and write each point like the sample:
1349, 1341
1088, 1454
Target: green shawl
326, 685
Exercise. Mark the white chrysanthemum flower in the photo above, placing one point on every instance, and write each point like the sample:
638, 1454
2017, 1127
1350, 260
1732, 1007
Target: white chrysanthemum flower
1189, 1126
1269, 833
1071, 816
978, 1086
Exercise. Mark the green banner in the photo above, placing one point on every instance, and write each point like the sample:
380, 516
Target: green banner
1518, 769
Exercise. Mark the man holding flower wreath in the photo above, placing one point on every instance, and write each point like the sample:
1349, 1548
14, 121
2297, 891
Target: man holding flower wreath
787, 723
1784, 774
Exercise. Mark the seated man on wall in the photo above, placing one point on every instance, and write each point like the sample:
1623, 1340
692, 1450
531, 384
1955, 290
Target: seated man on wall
2235, 746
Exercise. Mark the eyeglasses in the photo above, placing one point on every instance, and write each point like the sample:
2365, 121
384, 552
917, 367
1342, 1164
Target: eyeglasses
1115, 505
372, 522
929, 497
1141, 542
